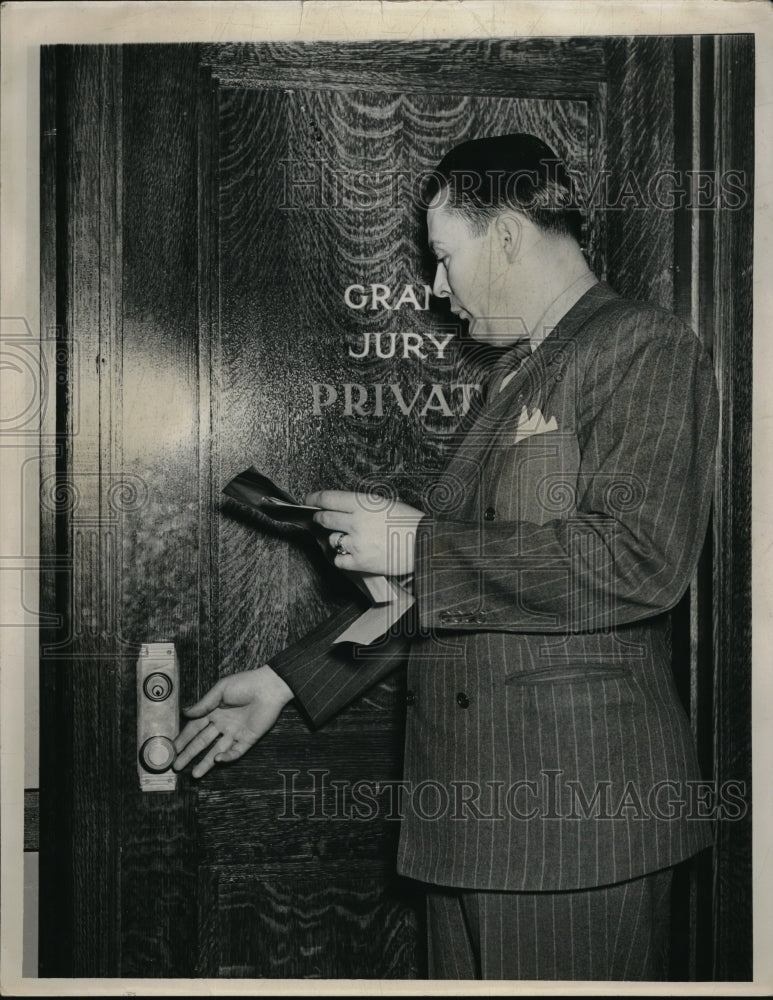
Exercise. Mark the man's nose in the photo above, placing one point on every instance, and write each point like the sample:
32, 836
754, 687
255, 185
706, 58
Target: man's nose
440, 288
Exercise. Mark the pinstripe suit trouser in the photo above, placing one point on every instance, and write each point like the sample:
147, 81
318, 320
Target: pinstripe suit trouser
615, 932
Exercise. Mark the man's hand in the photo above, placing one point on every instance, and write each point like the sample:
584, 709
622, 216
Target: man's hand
231, 717
377, 534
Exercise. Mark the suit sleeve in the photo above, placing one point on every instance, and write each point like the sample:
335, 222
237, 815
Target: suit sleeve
647, 419
324, 677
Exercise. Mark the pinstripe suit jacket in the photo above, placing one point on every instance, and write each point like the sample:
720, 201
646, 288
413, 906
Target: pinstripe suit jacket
546, 748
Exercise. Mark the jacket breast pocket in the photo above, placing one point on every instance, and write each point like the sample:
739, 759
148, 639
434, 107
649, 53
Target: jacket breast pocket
536, 479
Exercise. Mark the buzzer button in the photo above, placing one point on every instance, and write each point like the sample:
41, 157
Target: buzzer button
157, 754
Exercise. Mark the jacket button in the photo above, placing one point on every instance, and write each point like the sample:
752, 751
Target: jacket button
462, 700
489, 513
410, 697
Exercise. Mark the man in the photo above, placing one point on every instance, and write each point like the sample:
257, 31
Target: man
542, 711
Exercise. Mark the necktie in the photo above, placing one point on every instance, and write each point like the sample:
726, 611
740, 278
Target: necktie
508, 363
494, 364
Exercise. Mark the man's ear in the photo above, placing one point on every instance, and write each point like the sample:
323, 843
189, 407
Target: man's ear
509, 231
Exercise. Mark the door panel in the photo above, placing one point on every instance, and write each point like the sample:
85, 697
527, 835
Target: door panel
159, 426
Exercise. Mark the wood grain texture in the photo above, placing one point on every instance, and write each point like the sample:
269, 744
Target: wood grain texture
208, 344
733, 232
55, 778
355, 927
269, 831
688, 650
159, 518
552, 67
641, 132
79, 773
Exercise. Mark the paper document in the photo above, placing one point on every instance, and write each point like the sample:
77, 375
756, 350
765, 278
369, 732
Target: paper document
390, 604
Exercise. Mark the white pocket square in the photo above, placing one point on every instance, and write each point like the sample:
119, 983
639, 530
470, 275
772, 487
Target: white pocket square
534, 423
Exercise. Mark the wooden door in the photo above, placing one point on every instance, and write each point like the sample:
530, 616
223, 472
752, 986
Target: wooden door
199, 300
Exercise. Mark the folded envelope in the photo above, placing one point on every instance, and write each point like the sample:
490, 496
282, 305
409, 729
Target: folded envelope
391, 601
528, 425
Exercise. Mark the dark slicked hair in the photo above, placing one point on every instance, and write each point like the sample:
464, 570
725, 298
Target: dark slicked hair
480, 178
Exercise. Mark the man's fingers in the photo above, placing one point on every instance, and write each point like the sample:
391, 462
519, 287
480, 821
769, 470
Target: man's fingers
207, 735
204, 705
341, 500
223, 745
237, 750
192, 728
333, 520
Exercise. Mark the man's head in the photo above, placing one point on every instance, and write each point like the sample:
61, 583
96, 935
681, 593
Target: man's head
500, 211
